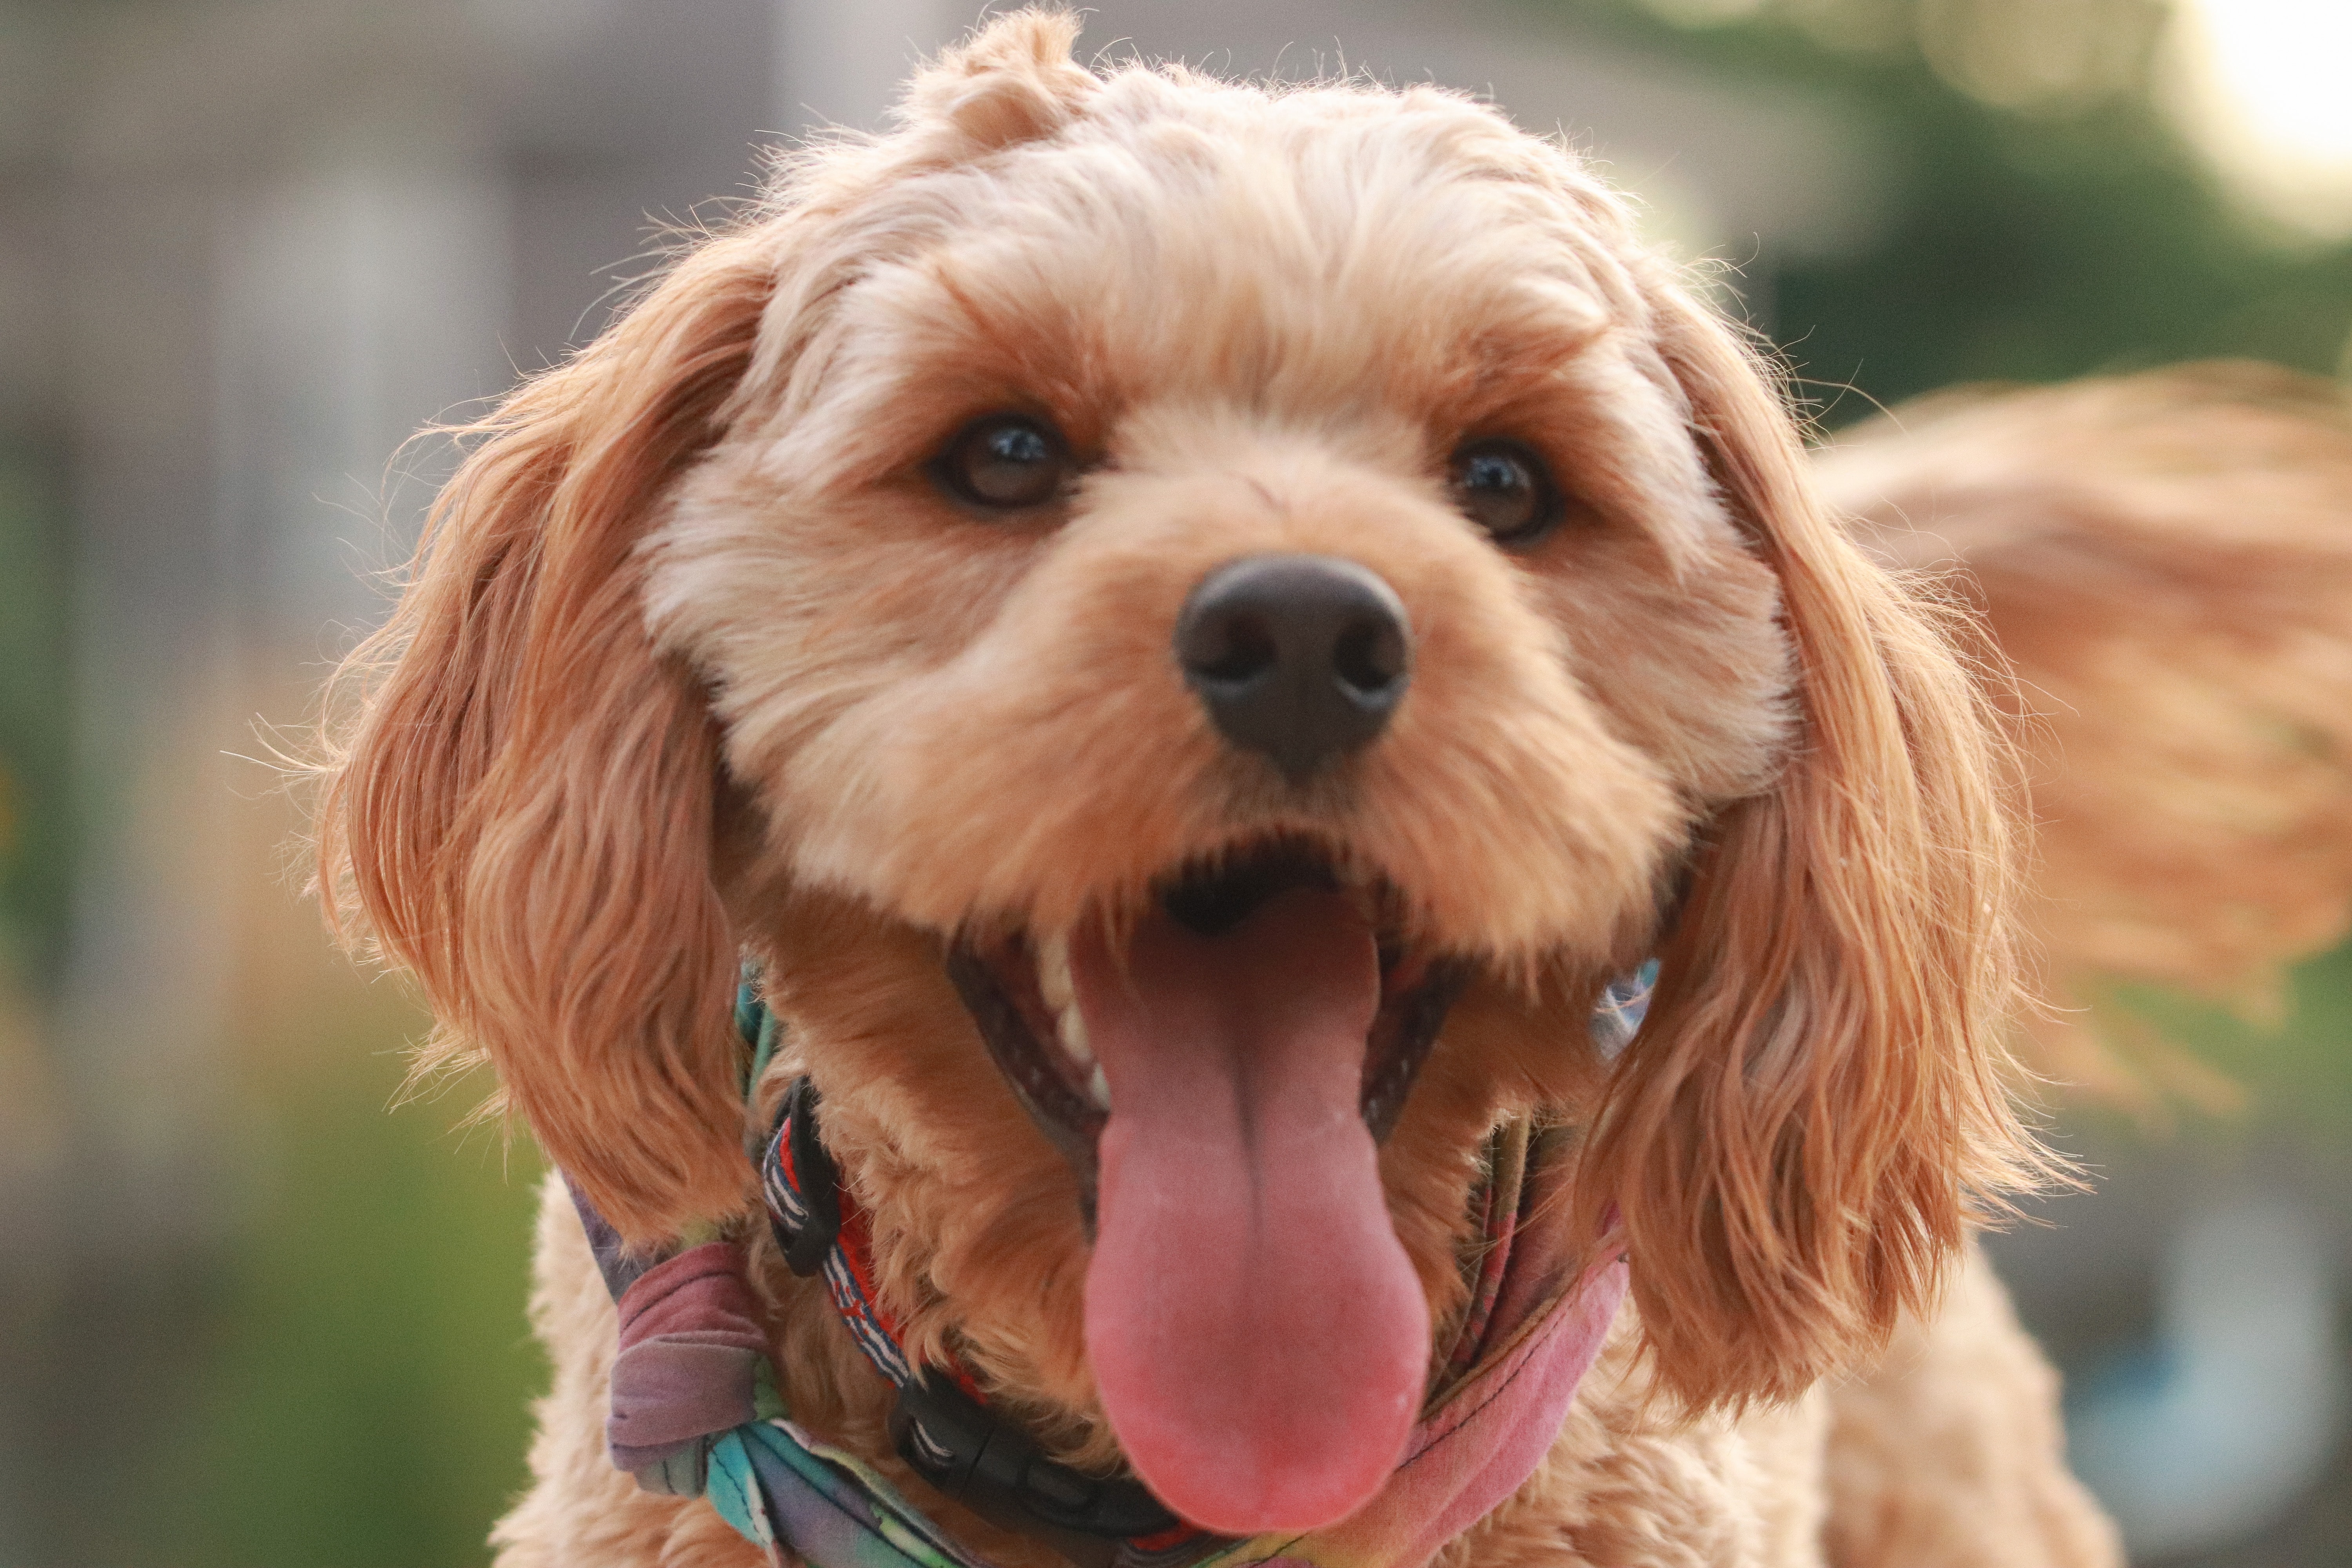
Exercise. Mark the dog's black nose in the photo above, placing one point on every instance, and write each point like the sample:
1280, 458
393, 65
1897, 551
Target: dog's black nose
1301, 658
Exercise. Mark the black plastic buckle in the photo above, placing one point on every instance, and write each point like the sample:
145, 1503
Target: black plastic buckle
807, 1236
956, 1444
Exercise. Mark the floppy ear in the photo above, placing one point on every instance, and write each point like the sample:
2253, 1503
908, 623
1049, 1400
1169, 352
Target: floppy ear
521, 809
2165, 559
521, 812
1820, 1086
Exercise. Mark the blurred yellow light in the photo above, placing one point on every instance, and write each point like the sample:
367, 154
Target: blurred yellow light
2265, 88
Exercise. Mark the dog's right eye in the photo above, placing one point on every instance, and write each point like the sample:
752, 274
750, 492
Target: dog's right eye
1004, 461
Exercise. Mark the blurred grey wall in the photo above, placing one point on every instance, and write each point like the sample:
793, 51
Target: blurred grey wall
247, 249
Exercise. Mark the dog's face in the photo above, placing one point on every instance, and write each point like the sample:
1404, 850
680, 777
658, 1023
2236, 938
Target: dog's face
1230, 573
1156, 608
1211, 325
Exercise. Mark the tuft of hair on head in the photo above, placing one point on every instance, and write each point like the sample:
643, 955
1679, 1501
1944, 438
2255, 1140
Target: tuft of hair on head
1818, 1105
1014, 80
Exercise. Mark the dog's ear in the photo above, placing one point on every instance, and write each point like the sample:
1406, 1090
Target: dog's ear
1820, 1085
520, 811
517, 800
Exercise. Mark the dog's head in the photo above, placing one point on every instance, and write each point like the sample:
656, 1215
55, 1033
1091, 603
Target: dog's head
1138, 592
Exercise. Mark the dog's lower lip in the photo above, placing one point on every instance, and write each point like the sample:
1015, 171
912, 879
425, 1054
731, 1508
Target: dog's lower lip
1004, 985
1000, 990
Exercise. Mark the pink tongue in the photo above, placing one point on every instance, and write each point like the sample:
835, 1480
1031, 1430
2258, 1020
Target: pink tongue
1255, 1327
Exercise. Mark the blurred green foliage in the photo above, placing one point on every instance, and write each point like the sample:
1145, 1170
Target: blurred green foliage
360, 1390
2068, 234
2296, 1072
324, 1364
37, 825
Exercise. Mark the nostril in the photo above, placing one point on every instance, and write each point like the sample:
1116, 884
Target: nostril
1369, 656
1230, 648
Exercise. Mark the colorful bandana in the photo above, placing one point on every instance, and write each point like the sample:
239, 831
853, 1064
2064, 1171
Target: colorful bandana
695, 1406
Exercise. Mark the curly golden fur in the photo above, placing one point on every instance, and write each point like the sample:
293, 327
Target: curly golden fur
698, 662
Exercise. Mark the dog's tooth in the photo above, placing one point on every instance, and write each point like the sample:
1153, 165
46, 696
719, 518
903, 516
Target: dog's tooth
1061, 995
1054, 974
1071, 1025
1099, 1087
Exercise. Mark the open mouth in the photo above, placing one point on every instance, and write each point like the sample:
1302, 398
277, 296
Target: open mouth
1220, 1071
1020, 995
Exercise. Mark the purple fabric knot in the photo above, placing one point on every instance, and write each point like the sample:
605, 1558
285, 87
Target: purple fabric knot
690, 1348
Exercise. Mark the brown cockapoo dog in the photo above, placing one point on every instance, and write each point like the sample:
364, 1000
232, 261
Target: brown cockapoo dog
1192, 634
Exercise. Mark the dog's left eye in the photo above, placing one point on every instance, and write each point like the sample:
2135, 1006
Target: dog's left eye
1004, 461
1506, 489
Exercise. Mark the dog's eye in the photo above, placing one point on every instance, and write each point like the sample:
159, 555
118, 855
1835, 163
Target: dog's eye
1506, 489
1004, 461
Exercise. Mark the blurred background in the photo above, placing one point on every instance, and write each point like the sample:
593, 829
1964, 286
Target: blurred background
250, 1313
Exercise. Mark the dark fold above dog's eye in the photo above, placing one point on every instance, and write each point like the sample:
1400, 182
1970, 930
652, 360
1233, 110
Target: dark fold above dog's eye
1006, 460
1504, 489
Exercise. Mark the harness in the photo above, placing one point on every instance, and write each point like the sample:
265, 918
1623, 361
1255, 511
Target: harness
696, 1407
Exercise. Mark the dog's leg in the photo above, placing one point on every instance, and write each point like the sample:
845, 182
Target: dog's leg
1629, 1486
1951, 1456
580, 1512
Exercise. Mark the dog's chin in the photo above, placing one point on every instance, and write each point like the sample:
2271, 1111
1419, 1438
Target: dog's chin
1220, 1068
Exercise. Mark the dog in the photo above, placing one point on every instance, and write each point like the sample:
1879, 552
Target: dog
1199, 637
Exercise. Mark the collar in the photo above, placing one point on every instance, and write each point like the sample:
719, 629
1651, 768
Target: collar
694, 1407
940, 1423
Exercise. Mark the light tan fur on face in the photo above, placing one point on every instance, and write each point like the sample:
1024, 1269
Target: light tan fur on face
698, 660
